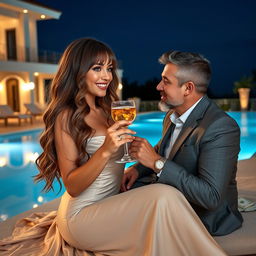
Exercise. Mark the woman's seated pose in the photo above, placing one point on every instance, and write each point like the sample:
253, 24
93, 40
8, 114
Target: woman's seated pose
80, 145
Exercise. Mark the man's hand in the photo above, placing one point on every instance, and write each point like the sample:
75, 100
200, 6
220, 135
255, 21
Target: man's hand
141, 150
130, 176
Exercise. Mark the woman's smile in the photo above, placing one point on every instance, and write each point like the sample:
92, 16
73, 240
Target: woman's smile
102, 86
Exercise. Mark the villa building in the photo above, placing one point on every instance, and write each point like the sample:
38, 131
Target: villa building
25, 70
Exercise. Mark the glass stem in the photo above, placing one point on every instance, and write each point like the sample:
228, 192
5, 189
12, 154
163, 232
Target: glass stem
126, 149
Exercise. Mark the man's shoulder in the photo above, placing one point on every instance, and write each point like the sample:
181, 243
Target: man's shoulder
215, 116
215, 113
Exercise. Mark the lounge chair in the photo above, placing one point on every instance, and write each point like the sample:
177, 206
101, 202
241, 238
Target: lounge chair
7, 113
34, 109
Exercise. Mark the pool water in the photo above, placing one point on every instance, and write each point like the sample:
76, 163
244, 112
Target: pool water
18, 152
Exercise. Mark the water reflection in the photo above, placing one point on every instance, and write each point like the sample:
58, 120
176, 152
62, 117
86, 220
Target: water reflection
18, 153
244, 124
17, 168
16, 158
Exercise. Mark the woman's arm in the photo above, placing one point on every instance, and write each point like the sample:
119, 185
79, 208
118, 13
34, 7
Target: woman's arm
77, 179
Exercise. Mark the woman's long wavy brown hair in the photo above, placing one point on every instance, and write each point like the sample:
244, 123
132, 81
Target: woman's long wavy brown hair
68, 94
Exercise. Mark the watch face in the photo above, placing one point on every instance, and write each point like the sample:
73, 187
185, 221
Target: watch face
159, 164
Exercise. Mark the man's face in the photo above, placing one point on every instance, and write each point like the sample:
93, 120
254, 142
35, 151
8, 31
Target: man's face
172, 94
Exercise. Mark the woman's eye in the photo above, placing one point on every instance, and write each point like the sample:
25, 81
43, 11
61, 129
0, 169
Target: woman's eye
97, 68
110, 69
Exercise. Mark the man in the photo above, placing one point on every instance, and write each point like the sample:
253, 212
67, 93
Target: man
199, 148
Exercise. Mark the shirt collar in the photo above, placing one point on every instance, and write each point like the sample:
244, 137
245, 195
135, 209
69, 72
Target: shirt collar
182, 119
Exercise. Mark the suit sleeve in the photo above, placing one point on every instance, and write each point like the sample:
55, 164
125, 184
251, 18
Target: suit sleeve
217, 162
143, 170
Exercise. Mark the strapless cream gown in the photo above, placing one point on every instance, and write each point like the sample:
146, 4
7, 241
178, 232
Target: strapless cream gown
154, 220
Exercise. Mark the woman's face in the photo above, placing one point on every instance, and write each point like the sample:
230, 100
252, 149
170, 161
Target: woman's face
98, 79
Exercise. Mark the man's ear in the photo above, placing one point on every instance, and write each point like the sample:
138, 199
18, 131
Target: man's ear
190, 87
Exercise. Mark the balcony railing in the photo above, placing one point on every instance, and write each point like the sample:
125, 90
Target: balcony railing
46, 56
21, 53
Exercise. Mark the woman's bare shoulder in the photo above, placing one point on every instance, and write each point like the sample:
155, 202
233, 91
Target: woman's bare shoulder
62, 120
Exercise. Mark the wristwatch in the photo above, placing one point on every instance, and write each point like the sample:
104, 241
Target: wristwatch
159, 164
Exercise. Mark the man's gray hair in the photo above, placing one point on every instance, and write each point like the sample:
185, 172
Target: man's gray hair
191, 67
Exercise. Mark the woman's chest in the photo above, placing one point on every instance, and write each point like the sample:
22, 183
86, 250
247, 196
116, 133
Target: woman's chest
99, 123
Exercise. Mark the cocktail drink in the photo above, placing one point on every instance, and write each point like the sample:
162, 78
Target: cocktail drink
123, 113
124, 110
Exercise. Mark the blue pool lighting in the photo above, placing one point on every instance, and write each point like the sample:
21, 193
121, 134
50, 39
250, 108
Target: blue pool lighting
18, 152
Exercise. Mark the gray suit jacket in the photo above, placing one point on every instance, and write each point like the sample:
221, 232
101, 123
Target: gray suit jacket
202, 165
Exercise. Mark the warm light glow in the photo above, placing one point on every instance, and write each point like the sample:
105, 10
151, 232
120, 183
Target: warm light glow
42, 16
3, 161
244, 98
1, 87
25, 11
120, 86
3, 217
40, 199
28, 86
31, 157
36, 74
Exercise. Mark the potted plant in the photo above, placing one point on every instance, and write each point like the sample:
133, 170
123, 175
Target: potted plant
243, 87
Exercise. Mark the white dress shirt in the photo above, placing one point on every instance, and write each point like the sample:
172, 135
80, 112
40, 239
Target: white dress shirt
179, 122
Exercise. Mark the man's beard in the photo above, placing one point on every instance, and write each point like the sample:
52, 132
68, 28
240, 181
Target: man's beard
165, 106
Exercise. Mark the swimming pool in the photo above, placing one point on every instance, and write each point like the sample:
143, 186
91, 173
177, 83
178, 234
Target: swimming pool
18, 152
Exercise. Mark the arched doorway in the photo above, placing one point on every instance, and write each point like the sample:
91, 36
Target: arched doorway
13, 94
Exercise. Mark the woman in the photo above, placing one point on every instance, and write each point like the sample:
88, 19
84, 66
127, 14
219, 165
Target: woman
80, 146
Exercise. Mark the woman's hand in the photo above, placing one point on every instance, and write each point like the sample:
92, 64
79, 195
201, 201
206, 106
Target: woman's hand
116, 136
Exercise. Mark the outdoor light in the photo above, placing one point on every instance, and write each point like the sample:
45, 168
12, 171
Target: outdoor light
28, 86
3, 217
25, 11
36, 74
3, 161
40, 199
42, 16
244, 98
31, 157
120, 86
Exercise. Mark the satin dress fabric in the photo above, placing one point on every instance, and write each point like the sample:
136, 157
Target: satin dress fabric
154, 220
151, 220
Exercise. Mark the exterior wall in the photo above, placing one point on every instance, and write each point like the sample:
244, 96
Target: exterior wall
10, 23
26, 36
24, 95
33, 39
21, 37
41, 79
24, 68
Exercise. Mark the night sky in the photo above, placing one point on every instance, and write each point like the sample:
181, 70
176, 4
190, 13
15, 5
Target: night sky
140, 31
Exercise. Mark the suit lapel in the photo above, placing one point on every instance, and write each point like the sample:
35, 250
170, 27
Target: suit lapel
166, 138
186, 130
190, 124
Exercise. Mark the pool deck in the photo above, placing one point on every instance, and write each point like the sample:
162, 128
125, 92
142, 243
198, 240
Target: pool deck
13, 126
